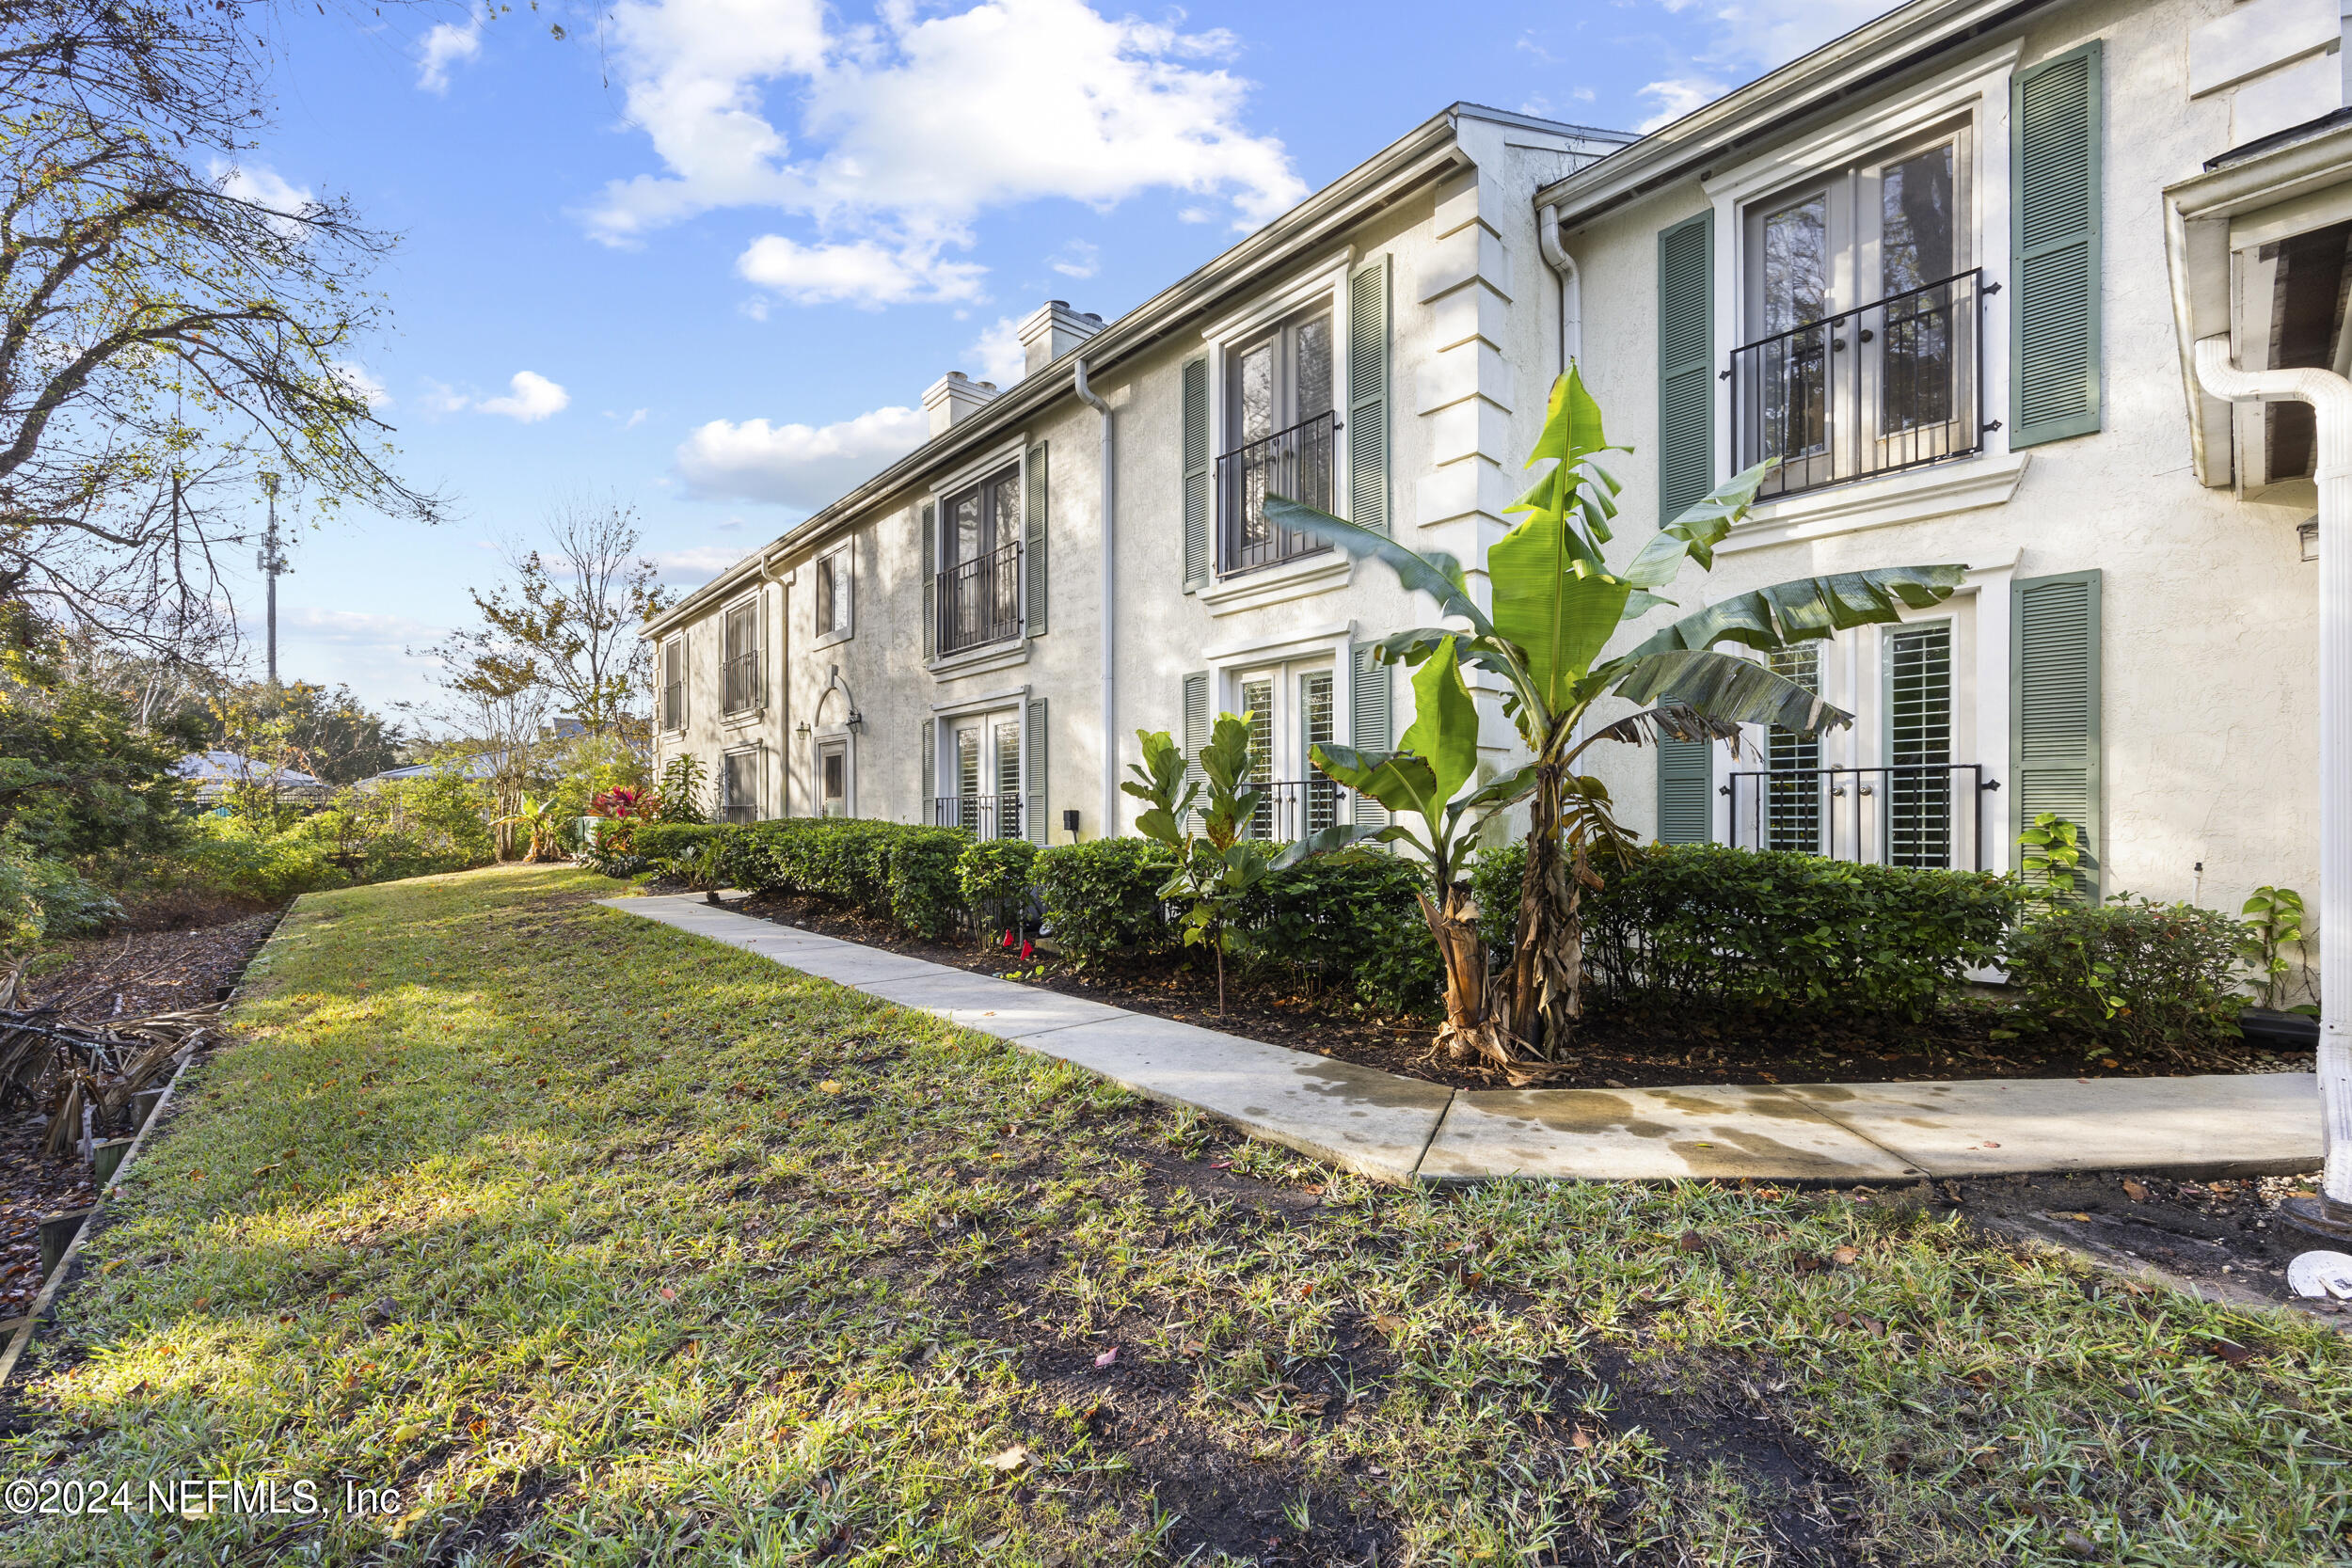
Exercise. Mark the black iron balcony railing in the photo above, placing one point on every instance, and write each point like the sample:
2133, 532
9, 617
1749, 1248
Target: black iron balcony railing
1295, 462
979, 600
981, 815
1890, 385
739, 682
1293, 808
1926, 815
674, 706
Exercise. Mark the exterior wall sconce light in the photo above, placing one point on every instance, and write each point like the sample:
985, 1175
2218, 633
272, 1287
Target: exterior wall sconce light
2307, 532
803, 729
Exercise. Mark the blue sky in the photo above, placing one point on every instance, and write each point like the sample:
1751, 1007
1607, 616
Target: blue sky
704, 255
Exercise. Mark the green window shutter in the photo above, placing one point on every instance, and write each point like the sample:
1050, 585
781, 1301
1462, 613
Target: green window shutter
1198, 724
930, 528
2053, 709
1370, 720
927, 796
1686, 789
1033, 546
1195, 473
1033, 807
1368, 397
2055, 135
1686, 365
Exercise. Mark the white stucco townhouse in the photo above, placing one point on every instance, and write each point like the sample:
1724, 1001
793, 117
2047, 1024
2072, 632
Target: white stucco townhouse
1948, 269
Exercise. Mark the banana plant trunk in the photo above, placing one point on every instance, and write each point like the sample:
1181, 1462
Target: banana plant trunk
1471, 1031
1543, 993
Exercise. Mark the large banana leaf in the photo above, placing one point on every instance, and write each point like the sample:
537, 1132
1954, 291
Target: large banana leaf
1445, 722
1398, 780
1697, 531
1666, 722
1718, 686
1808, 607
1559, 620
1436, 574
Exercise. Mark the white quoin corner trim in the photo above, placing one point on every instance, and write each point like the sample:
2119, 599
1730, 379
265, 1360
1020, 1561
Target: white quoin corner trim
2330, 397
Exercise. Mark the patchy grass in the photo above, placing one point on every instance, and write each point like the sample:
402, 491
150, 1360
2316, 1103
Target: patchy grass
601, 1244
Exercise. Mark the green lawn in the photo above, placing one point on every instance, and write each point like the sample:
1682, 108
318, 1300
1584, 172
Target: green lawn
688, 1259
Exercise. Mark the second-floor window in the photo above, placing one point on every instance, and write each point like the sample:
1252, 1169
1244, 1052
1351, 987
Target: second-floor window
739, 673
1862, 327
673, 684
979, 586
1280, 429
834, 593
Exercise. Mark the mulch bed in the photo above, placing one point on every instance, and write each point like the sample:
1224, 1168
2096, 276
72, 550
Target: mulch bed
123, 977
1613, 1052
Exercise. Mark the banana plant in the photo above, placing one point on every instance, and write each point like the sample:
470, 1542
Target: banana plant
538, 818
1218, 867
1554, 606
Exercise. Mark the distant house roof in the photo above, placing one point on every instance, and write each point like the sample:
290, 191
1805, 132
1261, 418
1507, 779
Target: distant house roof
212, 770
481, 764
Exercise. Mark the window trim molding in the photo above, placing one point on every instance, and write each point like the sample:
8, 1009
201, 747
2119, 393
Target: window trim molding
844, 590
1013, 649
758, 751
1977, 87
1327, 282
1012, 452
753, 599
685, 680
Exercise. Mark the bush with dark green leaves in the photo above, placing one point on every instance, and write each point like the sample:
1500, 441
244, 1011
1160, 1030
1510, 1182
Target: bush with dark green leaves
2133, 975
1695, 928
1101, 898
661, 841
1348, 921
885, 870
993, 874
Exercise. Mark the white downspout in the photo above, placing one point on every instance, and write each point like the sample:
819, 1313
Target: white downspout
1571, 285
1108, 552
2330, 397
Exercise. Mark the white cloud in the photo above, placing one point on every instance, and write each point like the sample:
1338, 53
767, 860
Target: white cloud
1679, 96
916, 124
798, 464
636, 417
261, 186
998, 352
356, 376
533, 397
1077, 258
445, 45
863, 273
696, 564
441, 398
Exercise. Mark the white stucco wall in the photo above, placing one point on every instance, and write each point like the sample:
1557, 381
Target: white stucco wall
2209, 617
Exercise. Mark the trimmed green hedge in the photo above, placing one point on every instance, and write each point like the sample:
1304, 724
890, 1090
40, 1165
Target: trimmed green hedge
1101, 898
2135, 975
661, 841
1706, 928
888, 870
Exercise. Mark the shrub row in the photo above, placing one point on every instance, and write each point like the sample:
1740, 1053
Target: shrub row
887, 870
1706, 926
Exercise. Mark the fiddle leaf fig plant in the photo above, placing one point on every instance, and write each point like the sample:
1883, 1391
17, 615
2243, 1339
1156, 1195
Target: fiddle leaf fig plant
1554, 605
1218, 866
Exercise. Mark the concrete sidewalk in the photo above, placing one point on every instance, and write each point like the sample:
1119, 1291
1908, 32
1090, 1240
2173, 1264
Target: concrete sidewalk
1403, 1130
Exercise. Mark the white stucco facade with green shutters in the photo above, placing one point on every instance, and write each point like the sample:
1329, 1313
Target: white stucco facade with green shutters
1930, 269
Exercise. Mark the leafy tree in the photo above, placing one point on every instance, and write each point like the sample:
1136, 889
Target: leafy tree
1557, 604
80, 777
331, 733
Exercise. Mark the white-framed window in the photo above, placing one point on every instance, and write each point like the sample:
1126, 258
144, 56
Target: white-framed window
1861, 305
836, 594
1293, 706
836, 786
979, 584
1280, 437
981, 764
741, 687
738, 785
673, 684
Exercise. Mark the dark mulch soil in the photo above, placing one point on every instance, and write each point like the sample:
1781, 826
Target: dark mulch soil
122, 976
1624, 1052
2225, 1235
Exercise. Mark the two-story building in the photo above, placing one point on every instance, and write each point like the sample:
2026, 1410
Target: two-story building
974, 635
1947, 271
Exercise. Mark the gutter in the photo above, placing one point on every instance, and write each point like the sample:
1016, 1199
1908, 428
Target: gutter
1108, 551
2330, 397
1571, 285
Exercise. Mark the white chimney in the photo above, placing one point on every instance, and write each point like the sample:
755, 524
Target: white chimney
955, 396
1053, 331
